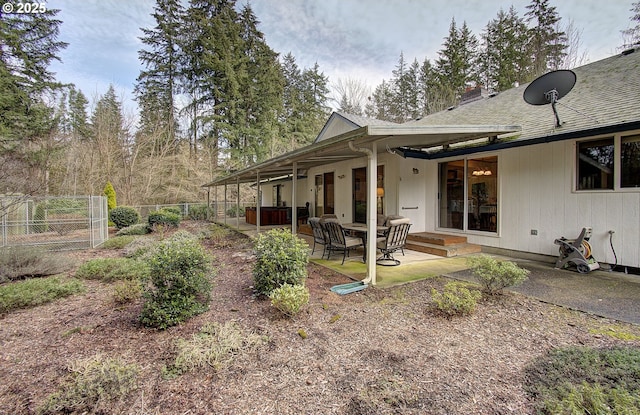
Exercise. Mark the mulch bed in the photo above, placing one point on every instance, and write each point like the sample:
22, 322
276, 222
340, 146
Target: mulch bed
377, 351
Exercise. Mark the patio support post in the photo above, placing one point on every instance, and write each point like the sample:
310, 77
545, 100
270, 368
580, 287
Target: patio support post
238, 203
215, 202
294, 205
258, 202
225, 203
372, 169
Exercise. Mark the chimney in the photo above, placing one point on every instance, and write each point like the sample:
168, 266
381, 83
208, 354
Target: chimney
473, 94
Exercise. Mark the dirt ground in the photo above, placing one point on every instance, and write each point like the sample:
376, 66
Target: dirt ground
378, 351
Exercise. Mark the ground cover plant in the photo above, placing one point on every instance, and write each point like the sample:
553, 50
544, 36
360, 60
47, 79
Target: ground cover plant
377, 351
29, 262
34, 292
583, 380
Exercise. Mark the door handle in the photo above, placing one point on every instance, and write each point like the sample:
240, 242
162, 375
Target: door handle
409, 208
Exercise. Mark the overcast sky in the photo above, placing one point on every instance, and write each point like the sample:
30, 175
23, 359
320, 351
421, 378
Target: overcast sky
360, 39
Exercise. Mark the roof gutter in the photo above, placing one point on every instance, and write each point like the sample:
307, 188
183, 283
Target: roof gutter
610, 129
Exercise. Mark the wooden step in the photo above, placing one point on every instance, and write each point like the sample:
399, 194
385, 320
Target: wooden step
305, 229
447, 251
437, 238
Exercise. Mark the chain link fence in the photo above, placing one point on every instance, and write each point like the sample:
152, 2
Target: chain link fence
54, 223
196, 210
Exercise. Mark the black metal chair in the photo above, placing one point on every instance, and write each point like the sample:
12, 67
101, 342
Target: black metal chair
394, 240
319, 235
339, 241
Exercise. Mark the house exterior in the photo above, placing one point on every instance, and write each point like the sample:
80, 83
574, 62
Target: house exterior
495, 169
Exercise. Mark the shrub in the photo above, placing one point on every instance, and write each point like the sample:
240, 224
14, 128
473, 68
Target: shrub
40, 219
495, 275
112, 269
281, 259
234, 210
164, 217
289, 298
118, 242
30, 293
28, 262
214, 346
137, 229
456, 299
124, 216
582, 380
139, 247
127, 291
199, 212
95, 386
110, 193
178, 284
173, 209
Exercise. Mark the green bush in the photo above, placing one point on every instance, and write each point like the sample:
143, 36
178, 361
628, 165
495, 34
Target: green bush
173, 209
123, 216
137, 229
30, 293
234, 210
96, 384
456, 299
127, 291
289, 298
113, 269
281, 258
164, 217
118, 242
139, 247
40, 219
582, 380
178, 286
494, 275
199, 212
29, 262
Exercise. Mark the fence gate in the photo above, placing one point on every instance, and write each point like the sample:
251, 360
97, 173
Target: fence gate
54, 223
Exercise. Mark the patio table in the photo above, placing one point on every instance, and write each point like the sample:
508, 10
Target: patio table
360, 229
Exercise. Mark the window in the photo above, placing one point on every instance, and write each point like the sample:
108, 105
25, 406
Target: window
324, 194
469, 194
595, 164
360, 193
630, 161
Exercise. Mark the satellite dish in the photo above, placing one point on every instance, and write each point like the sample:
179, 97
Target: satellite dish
549, 88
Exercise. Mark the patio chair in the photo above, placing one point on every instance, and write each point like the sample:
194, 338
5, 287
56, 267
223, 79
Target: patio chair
339, 241
394, 240
319, 235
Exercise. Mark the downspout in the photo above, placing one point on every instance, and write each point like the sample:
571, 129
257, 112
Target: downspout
372, 168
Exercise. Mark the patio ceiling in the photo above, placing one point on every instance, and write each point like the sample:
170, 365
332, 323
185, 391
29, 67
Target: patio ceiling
385, 137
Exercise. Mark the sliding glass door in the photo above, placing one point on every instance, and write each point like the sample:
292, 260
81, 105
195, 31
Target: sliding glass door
360, 193
469, 194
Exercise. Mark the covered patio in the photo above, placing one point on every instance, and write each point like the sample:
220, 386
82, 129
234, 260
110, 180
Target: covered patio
365, 142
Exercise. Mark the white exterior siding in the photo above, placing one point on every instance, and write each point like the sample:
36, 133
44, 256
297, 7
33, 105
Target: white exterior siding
537, 193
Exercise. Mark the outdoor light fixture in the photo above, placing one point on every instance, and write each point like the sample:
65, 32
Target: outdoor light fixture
380, 192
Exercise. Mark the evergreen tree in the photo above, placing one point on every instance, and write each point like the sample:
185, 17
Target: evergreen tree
547, 43
78, 119
108, 136
261, 93
632, 34
157, 85
504, 59
456, 65
381, 104
212, 60
28, 44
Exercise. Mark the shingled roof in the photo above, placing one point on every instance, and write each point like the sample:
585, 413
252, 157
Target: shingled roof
606, 94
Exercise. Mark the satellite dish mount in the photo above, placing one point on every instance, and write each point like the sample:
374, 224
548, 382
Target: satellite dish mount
549, 88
